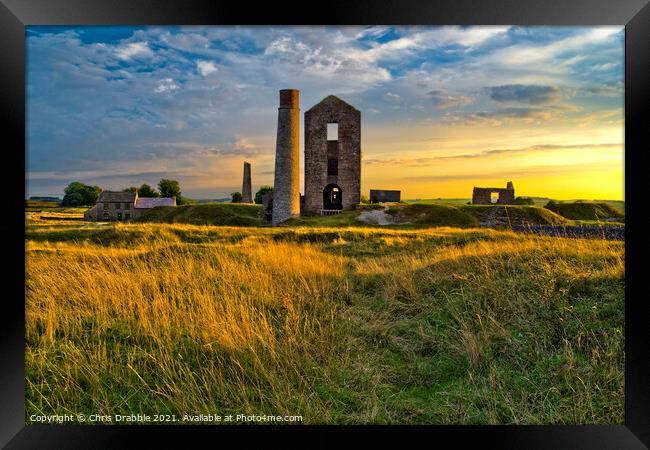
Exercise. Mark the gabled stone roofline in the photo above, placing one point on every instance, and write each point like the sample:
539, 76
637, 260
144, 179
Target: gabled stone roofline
332, 98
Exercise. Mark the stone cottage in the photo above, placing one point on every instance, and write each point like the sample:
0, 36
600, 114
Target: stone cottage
119, 206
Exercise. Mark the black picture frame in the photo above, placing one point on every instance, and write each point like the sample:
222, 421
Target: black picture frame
16, 14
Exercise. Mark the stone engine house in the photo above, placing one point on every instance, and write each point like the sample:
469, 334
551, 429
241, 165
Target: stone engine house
332, 156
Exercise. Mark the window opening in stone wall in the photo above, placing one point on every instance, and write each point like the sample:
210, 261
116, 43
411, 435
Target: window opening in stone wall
494, 197
332, 167
332, 131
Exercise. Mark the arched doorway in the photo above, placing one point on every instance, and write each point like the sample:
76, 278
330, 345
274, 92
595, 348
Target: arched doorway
332, 197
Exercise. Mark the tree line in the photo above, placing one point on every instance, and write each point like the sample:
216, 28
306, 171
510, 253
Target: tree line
80, 194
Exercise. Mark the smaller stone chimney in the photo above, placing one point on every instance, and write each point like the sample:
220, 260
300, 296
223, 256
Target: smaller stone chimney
246, 191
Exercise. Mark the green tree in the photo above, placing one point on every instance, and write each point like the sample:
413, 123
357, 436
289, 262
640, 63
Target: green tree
259, 195
73, 199
79, 194
169, 188
147, 191
524, 201
363, 199
236, 197
130, 189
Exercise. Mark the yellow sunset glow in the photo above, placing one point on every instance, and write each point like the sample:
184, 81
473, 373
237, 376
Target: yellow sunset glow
571, 164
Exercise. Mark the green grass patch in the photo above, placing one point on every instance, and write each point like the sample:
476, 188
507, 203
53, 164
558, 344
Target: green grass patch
585, 210
471, 215
344, 219
433, 214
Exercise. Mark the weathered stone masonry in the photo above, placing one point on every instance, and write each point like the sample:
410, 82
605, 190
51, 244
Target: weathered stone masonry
383, 195
120, 205
286, 188
246, 190
332, 164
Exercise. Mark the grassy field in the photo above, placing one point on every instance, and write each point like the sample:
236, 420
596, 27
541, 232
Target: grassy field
336, 323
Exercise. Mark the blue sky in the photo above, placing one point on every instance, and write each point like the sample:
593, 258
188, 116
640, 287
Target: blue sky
122, 106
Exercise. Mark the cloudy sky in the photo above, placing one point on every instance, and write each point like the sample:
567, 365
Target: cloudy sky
443, 109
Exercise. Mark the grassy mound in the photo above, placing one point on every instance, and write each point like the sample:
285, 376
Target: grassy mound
472, 215
519, 214
433, 214
585, 210
207, 214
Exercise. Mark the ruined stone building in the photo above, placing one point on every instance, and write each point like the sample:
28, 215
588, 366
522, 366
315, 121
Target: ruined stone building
384, 195
118, 206
332, 156
484, 196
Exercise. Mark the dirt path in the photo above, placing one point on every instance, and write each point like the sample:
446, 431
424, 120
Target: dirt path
495, 217
377, 217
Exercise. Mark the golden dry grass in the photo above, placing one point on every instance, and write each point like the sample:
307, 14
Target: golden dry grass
340, 325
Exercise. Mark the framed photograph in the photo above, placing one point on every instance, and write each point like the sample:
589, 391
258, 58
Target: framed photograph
378, 214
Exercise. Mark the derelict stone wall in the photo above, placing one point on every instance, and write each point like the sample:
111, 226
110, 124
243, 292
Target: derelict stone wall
483, 196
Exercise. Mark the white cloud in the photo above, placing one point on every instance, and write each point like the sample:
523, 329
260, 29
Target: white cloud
132, 49
444, 100
475, 35
517, 54
166, 85
243, 144
390, 97
323, 59
427, 40
205, 68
